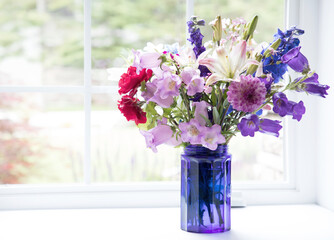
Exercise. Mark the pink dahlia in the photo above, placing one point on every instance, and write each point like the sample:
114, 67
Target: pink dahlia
248, 94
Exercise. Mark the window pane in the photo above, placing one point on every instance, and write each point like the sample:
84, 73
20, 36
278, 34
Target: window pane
130, 25
259, 158
271, 15
41, 42
41, 138
119, 151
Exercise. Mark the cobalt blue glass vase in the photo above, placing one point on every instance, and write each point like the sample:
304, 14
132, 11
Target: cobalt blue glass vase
205, 189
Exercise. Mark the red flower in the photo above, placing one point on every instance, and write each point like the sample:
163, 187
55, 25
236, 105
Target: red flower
130, 109
130, 81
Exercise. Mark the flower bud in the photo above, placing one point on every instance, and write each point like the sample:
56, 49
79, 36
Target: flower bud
251, 28
217, 29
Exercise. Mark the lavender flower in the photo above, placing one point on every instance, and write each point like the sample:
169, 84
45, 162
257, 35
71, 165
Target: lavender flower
147, 60
201, 108
248, 94
212, 137
296, 60
191, 131
150, 96
249, 125
168, 85
188, 73
195, 86
156, 136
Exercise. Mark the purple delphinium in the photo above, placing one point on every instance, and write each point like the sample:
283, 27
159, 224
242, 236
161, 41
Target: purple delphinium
270, 127
212, 136
156, 136
249, 125
296, 60
196, 38
273, 63
191, 131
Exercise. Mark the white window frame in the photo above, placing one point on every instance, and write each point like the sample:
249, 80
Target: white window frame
299, 187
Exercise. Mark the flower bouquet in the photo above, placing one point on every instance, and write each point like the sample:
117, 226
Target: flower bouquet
201, 95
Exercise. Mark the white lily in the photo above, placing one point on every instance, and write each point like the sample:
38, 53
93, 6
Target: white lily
226, 66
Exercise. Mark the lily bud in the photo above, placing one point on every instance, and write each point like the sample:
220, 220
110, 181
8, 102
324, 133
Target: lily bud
251, 28
217, 29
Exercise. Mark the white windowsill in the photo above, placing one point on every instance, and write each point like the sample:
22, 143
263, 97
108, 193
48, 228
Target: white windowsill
307, 222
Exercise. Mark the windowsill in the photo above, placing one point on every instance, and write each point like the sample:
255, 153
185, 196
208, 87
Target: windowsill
254, 222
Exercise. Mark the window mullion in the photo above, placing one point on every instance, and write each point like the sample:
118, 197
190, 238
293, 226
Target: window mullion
88, 92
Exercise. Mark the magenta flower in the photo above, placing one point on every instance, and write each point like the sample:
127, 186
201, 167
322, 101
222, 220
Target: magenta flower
156, 136
201, 109
168, 85
212, 136
150, 96
191, 131
196, 85
248, 94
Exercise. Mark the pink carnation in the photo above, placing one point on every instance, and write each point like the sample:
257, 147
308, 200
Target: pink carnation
248, 94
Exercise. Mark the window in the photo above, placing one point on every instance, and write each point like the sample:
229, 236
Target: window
60, 111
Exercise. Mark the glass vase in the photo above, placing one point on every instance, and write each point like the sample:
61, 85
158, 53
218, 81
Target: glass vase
205, 189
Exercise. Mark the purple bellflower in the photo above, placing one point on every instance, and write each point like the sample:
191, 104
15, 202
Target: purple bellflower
296, 110
296, 60
249, 125
312, 86
281, 104
270, 127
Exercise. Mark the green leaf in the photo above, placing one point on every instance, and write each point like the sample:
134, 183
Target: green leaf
150, 108
216, 117
207, 121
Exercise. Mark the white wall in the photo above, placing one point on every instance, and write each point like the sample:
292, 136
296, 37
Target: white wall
325, 127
